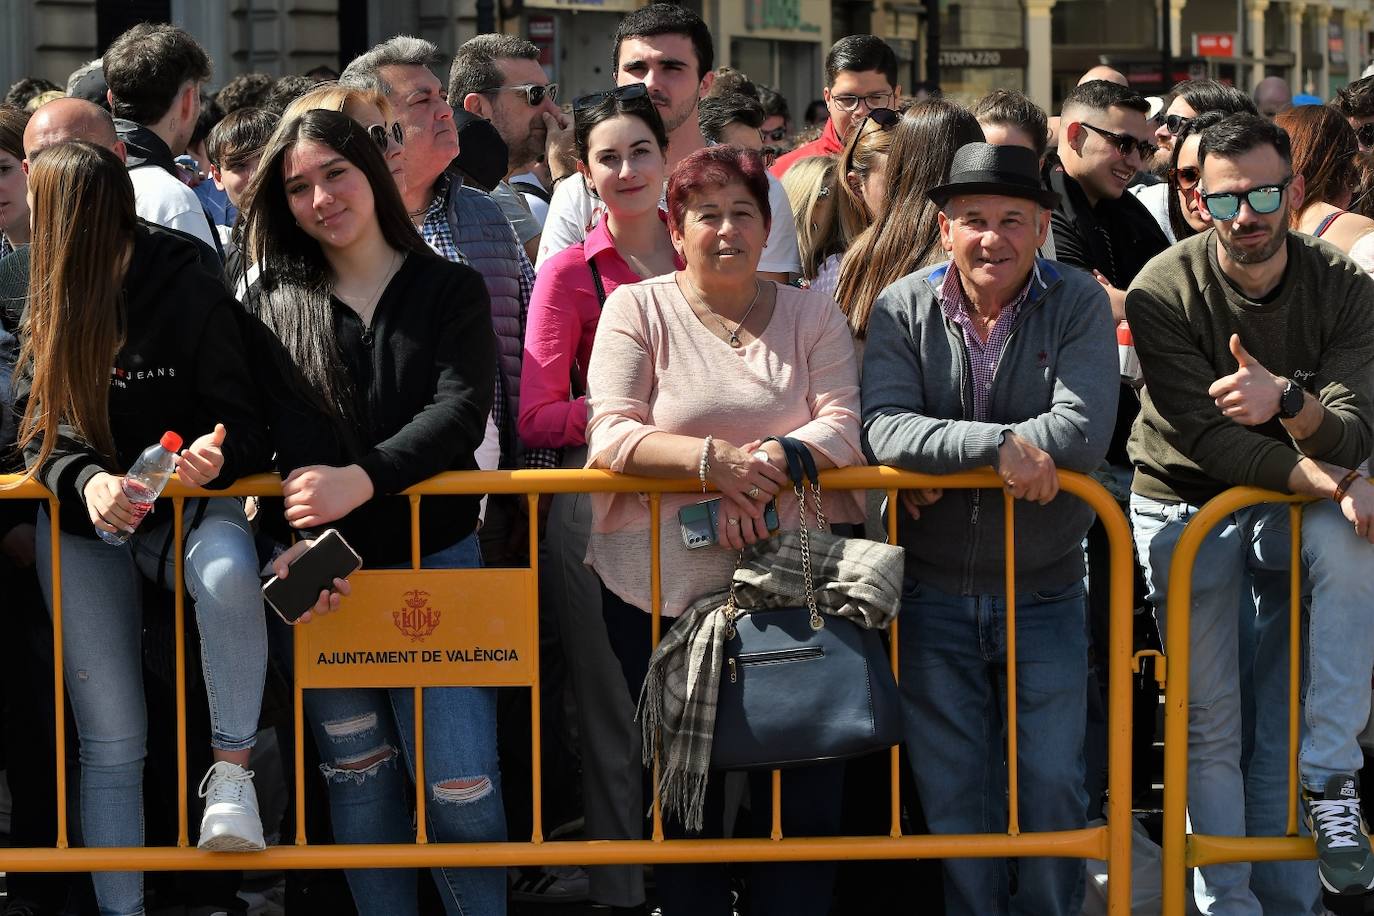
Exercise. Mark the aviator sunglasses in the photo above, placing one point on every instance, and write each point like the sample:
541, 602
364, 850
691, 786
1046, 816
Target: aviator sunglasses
1265, 199
378, 133
619, 93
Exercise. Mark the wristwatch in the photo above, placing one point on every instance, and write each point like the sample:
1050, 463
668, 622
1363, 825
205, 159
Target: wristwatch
1290, 402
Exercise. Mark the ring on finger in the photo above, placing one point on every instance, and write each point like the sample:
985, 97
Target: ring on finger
754, 492
734, 521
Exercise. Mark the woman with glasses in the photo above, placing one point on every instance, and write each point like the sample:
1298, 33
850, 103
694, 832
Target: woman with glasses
1324, 155
862, 187
371, 110
382, 356
1189, 99
1185, 217
905, 235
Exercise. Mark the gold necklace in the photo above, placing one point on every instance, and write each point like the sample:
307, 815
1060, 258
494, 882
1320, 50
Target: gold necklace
733, 334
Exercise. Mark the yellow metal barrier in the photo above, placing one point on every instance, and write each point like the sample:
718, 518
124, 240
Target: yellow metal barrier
1182, 850
512, 606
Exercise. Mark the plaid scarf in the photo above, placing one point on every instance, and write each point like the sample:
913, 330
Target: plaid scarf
854, 578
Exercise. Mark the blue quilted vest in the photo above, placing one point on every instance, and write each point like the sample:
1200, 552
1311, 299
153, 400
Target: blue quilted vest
483, 235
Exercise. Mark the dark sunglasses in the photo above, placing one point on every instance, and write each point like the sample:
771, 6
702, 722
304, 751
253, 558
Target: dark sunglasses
1265, 199
885, 118
619, 93
378, 133
1175, 123
534, 94
1124, 143
777, 134
1365, 134
1187, 177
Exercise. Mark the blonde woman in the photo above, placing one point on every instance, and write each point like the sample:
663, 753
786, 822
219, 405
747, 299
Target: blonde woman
370, 109
863, 190
811, 186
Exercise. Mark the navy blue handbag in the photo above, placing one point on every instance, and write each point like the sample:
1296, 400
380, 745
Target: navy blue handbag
800, 687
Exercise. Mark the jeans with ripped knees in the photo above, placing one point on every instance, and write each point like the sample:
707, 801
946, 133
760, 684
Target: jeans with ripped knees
1229, 795
364, 734
952, 655
102, 622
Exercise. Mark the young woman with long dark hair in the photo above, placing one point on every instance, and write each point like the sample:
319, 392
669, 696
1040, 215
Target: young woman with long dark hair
390, 352
125, 336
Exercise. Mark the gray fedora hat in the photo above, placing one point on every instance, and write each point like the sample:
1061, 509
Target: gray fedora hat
1007, 171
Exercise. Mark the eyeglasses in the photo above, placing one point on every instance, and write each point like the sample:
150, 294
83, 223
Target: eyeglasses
872, 100
1365, 135
777, 134
885, 118
1224, 205
1187, 177
1175, 123
619, 93
378, 133
534, 94
1124, 143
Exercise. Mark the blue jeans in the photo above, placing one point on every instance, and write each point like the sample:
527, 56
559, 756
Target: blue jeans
1250, 550
361, 732
102, 620
953, 682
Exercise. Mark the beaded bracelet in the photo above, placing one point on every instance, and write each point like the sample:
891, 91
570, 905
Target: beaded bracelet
704, 465
1344, 486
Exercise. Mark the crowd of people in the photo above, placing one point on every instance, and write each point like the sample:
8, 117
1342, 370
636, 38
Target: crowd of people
360, 280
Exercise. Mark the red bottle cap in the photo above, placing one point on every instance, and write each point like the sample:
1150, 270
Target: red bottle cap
170, 441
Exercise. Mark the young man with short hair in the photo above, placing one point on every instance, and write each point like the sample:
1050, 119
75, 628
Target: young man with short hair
731, 118
234, 148
498, 77
669, 50
1256, 342
860, 75
155, 72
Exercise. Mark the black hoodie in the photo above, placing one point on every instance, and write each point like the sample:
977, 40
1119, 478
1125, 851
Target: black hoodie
183, 367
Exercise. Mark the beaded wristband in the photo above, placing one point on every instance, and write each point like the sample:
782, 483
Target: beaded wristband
704, 465
1344, 486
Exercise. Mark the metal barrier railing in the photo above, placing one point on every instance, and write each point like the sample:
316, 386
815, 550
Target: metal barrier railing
516, 616
1183, 850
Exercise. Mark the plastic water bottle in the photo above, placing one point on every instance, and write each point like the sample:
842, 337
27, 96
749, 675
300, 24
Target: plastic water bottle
145, 480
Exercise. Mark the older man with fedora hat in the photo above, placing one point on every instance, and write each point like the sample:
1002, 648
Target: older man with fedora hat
996, 358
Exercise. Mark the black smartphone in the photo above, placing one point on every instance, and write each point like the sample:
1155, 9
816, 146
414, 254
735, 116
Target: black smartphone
312, 572
699, 522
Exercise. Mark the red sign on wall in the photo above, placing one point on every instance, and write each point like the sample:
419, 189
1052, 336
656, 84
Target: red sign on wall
1214, 44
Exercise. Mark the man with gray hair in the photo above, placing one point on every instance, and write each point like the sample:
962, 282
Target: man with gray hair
995, 358
498, 77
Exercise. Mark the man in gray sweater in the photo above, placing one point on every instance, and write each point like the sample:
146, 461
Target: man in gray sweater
998, 358
1256, 345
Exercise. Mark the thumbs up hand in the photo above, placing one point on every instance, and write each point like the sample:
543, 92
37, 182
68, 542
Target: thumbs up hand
200, 462
1250, 395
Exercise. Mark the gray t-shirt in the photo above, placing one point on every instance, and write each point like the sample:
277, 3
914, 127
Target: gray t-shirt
512, 204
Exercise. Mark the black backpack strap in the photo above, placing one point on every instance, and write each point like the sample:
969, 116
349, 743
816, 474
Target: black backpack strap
596, 278
529, 187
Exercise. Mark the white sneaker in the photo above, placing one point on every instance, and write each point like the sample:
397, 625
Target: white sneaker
231, 822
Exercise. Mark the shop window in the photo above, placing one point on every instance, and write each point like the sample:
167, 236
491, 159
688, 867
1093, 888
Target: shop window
969, 84
1104, 23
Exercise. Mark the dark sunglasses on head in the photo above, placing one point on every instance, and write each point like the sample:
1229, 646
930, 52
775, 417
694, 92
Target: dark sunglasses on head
534, 94
1124, 143
1187, 177
1175, 123
1365, 134
777, 134
1265, 199
885, 118
378, 133
619, 93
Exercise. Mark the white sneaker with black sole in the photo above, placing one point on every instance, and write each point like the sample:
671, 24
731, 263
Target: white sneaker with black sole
231, 822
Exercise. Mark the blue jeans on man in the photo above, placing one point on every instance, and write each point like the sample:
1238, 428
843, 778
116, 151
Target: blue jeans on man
953, 682
1229, 795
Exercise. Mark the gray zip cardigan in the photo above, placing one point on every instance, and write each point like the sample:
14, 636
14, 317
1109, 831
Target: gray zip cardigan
1055, 385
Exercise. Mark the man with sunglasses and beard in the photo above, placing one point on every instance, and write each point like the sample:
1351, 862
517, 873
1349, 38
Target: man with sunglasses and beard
1255, 343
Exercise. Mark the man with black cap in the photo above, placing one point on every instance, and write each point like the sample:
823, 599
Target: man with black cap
995, 358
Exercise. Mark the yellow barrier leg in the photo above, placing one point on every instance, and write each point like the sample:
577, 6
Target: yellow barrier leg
58, 685
1013, 783
895, 755
179, 547
536, 710
1120, 713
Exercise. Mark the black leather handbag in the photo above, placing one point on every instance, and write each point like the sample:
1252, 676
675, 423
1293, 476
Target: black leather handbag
800, 687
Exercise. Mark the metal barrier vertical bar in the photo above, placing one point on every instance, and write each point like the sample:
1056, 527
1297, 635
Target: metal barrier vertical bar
655, 603
536, 710
58, 685
1013, 782
1120, 820
179, 583
421, 808
1177, 645
894, 755
298, 703
1294, 671
776, 833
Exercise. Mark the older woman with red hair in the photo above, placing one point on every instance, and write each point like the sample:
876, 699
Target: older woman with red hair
689, 371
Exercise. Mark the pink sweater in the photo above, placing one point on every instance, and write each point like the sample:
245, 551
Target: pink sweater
559, 330
655, 367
